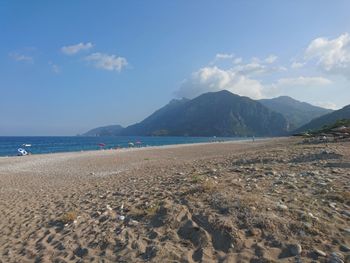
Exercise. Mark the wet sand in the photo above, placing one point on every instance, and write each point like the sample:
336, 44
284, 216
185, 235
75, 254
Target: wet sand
269, 201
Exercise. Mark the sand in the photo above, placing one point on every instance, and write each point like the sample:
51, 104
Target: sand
269, 201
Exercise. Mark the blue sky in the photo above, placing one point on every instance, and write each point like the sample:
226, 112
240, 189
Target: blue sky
68, 66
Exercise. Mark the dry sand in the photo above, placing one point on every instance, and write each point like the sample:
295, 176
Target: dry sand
268, 201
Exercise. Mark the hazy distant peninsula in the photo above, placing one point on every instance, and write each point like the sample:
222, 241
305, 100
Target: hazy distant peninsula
110, 130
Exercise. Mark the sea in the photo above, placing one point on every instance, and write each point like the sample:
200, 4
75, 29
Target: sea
51, 144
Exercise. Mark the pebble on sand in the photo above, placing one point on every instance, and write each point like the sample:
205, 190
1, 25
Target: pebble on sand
282, 207
336, 258
344, 248
320, 253
295, 249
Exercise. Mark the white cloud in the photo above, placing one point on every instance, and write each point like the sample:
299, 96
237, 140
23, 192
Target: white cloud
285, 86
326, 105
230, 57
73, 49
239, 78
251, 68
296, 65
55, 68
259, 78
107, 62
224, 56
331, 55
271, 59
214, 79
303, 81
237, 60
21, 57
256, 68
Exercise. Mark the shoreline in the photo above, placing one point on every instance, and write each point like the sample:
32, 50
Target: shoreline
122, 149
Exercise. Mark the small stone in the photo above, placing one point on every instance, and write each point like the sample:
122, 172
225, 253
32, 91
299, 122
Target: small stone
60, 246
133, 222
255, 232
282, 207
344, 248
336, 258
81, 252
271, 173
312, 216
333, 205
346, 213
103, 218
295, 249
320, 253
291, 186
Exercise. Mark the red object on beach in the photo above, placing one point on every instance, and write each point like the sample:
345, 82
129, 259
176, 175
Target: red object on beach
102, 144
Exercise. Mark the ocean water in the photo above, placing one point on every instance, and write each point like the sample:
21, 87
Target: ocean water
39, 145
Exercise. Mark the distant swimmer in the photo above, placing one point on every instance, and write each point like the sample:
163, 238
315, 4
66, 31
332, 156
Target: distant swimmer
253, 138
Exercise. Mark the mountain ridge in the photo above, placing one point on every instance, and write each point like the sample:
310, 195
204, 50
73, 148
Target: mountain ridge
219, 113
328, 119
296, 112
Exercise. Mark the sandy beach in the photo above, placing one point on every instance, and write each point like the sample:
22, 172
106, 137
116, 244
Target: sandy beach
274, 200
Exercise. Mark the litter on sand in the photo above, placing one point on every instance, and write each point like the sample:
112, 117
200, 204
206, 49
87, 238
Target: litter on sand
22, 152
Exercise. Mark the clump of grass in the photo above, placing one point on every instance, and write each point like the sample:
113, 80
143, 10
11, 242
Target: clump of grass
152, 210
136, 212
209, 185
195, 178
69, 217
146, 159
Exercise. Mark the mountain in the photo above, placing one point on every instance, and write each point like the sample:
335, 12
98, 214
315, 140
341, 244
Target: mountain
212, 114
327, 119
111, 130
297, 113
